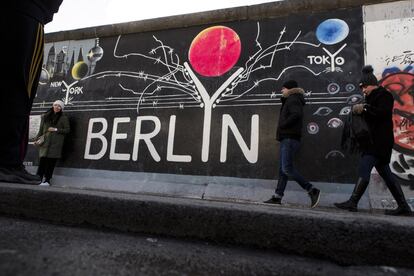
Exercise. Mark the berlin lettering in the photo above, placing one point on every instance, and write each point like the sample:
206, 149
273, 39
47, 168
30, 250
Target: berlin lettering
110, 145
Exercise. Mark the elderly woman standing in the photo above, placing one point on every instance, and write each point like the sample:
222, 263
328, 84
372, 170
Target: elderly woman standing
54, 126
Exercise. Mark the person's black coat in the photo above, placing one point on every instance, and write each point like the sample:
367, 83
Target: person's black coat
291, 115
40, 10
378, 114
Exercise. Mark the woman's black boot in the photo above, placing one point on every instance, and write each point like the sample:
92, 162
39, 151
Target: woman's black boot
352, 203
403, 208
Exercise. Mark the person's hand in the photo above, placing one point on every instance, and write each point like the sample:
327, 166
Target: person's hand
357, 108
52, 129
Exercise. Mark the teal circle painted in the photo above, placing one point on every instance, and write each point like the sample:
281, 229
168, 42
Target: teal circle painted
332, 31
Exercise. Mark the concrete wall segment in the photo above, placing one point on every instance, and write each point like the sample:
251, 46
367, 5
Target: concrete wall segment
389, 11
261, 11
297, 16
162, 23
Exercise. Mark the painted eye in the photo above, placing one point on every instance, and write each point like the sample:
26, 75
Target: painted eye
323, 111
353, 99
334, 154
333, 88
349, 87
335, 123
345, 111
313, 128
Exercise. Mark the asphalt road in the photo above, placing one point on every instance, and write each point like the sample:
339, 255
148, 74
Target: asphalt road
37, 248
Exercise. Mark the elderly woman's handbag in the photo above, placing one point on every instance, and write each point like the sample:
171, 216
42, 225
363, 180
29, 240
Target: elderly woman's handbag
39, 141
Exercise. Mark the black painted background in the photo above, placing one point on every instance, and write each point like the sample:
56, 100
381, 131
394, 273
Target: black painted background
312, 160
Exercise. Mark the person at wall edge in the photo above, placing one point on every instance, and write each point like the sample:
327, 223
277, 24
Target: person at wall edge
289, 132
54, 126
377, 111
22, 22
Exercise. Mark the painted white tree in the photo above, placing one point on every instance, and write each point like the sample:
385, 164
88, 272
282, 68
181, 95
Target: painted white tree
183, 79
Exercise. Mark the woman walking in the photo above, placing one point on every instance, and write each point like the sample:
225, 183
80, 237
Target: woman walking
376, 150
54, 126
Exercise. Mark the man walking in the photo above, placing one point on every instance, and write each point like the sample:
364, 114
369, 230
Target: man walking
289, 132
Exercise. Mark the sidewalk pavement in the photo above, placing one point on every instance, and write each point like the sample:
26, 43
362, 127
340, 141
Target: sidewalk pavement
223, 213
229, 189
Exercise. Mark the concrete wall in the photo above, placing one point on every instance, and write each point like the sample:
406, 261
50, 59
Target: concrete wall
199, 94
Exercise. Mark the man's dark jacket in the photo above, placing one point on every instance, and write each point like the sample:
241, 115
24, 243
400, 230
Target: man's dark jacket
378, 114
291, 115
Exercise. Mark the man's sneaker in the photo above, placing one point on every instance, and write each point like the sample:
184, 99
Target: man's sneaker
46, 184
274, 200
18, 174
314, 194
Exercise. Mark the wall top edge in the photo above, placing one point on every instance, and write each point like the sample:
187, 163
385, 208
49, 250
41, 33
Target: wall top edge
253, 12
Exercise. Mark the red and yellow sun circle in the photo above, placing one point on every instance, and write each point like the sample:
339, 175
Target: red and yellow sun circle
214, 51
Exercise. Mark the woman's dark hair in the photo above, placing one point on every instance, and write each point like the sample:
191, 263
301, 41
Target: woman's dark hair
52, 117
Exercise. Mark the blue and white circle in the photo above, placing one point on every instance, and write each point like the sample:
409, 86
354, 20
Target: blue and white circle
332, 31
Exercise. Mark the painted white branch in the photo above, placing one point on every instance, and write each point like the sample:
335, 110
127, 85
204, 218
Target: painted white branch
226, 83
208, 106
200, 87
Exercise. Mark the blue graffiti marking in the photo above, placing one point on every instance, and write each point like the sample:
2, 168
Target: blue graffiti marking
332, 31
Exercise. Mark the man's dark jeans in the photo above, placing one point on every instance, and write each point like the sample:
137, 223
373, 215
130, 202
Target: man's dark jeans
287, 151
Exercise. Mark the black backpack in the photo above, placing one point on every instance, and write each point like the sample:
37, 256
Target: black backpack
356, 134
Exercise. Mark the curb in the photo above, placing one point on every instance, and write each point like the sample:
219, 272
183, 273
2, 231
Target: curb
345, 238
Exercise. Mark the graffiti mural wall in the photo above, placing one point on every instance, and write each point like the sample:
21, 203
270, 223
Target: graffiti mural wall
205, 100
390, 49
